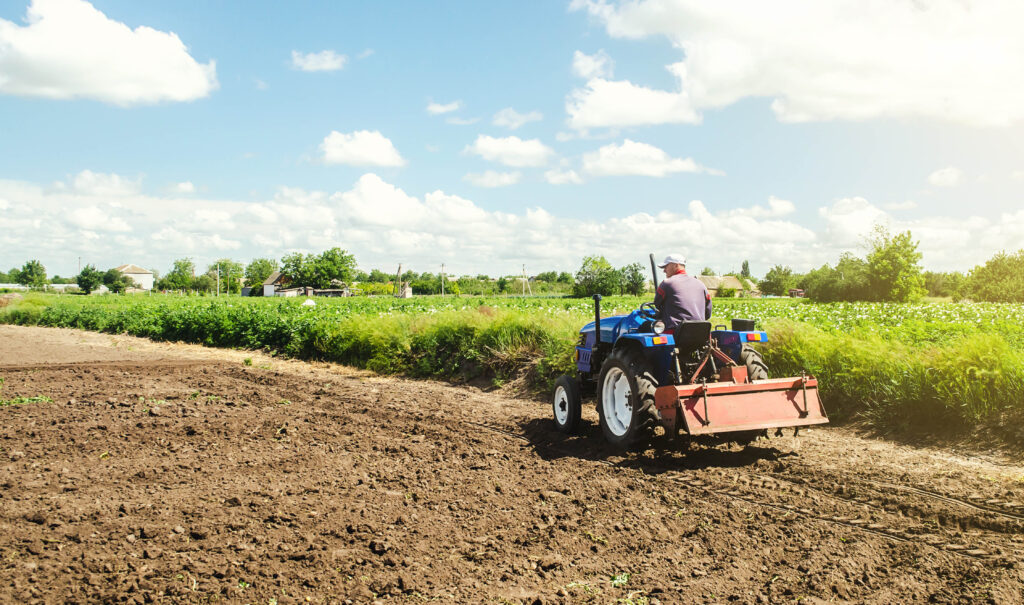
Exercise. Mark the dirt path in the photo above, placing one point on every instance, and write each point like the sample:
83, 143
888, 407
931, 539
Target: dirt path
173, 473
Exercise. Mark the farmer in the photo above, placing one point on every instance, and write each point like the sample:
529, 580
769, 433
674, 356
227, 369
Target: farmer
681, 297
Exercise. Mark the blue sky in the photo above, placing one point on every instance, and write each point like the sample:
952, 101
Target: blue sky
490, 135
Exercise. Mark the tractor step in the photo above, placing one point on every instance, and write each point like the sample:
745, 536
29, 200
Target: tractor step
722, 407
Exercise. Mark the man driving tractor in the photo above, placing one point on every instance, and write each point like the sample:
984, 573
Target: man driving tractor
681, 297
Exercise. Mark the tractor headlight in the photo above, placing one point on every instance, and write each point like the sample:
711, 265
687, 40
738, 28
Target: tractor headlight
658, 327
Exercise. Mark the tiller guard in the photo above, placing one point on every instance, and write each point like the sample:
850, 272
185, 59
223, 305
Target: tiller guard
739, 405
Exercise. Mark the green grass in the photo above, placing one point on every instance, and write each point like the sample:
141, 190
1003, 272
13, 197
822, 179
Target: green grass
895, 366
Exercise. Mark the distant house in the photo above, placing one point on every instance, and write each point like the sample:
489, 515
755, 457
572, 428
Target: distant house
742, 287
142, 277
275, 282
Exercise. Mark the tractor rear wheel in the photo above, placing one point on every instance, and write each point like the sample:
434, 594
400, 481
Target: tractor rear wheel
625, 399
566, 405
757, 369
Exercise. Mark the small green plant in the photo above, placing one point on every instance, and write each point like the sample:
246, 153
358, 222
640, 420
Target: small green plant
24, 401
284, 402
247, 361
242, 584
595, 538
620, 580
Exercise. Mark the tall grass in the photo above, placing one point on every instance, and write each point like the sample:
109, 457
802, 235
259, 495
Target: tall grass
955, 370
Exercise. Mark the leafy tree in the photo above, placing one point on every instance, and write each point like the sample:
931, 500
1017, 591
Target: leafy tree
597, 276
56, 279
1000, 279
334, 264
230, 273
299, 268
943, 284
379, 277
32, 274
745, 271
633, 279
6, 278
502, 284
180, 277
204, 283
565, 277
258, 270
777, 281
707, 271
89, 279
117, 282
894, 270
847, 281
547, 276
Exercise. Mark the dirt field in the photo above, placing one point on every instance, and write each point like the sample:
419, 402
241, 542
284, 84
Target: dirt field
173, 473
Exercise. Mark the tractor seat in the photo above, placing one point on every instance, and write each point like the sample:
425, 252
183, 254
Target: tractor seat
692, 335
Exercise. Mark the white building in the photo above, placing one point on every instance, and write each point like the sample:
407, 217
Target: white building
143, 277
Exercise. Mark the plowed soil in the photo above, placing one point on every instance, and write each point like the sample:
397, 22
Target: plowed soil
173, 473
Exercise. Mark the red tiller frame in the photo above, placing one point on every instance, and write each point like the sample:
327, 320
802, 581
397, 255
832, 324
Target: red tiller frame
721, 407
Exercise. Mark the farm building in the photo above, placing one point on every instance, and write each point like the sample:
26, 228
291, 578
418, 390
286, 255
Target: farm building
143, 277
275, 282
742, 287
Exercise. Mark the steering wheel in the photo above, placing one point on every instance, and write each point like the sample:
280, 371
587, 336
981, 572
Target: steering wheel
648, 310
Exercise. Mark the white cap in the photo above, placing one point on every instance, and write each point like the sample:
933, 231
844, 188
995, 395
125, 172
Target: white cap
675, 257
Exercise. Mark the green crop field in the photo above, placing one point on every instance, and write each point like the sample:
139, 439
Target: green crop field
897, 366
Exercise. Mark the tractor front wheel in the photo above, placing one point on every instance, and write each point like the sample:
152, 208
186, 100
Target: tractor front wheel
566, 405
625, 399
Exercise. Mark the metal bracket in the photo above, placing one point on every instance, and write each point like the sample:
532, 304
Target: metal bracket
704, 391
803, 388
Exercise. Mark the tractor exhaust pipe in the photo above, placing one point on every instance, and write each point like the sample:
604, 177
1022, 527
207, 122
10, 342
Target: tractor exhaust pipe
654, 271
597, 318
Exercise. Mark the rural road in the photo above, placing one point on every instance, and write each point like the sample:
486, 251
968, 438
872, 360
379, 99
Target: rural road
174, 473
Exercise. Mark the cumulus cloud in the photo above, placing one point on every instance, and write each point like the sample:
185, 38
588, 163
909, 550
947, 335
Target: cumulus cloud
441, 108
185, 187
69, 49
605, 103
632, 158
512, 119
776, 208
511, 151
951, 60
325, 60
95, 183
598, 65
95, 219
950, 176
492, 178
360, 148
562, 177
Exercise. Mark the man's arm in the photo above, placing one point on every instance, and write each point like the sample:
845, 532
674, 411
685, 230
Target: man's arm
707, 305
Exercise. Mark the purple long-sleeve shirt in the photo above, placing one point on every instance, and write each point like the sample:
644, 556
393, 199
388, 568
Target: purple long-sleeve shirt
680, 298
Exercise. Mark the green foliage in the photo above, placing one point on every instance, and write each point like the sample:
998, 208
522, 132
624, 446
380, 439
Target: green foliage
319, 271
942, 285
32, 274
597, 276
379, 277
848, 281
894, 270
257, 272
231, 273
117, 282
89, 279
633, 280
180, 277
1000, 279
745, 271
777, 281
707, 271
724, 292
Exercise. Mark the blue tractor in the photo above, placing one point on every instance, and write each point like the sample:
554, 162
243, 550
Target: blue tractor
696, 381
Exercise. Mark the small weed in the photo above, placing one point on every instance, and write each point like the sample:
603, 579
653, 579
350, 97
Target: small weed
595, 538
194, 395
242, 584
247, 361
636, 597
24, 400
104, 455
620, 580
212, 398
284, 402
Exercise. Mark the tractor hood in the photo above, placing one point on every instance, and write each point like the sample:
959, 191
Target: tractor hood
615, 326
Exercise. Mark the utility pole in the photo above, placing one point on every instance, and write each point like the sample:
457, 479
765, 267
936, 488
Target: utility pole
526, 282
398, 276
218, 279
442, 279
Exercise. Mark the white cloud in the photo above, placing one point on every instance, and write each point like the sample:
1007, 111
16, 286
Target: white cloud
562, 177
491, 178
512, 119
849, 220
905, 205
944, 59
598, 65
511, 151
604, 103
69, 49
211, 221
325, 60
360, 148
776, 208
95, 183
632, 158
950, 176
365, 53
185, 187
440, 108
94, 219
